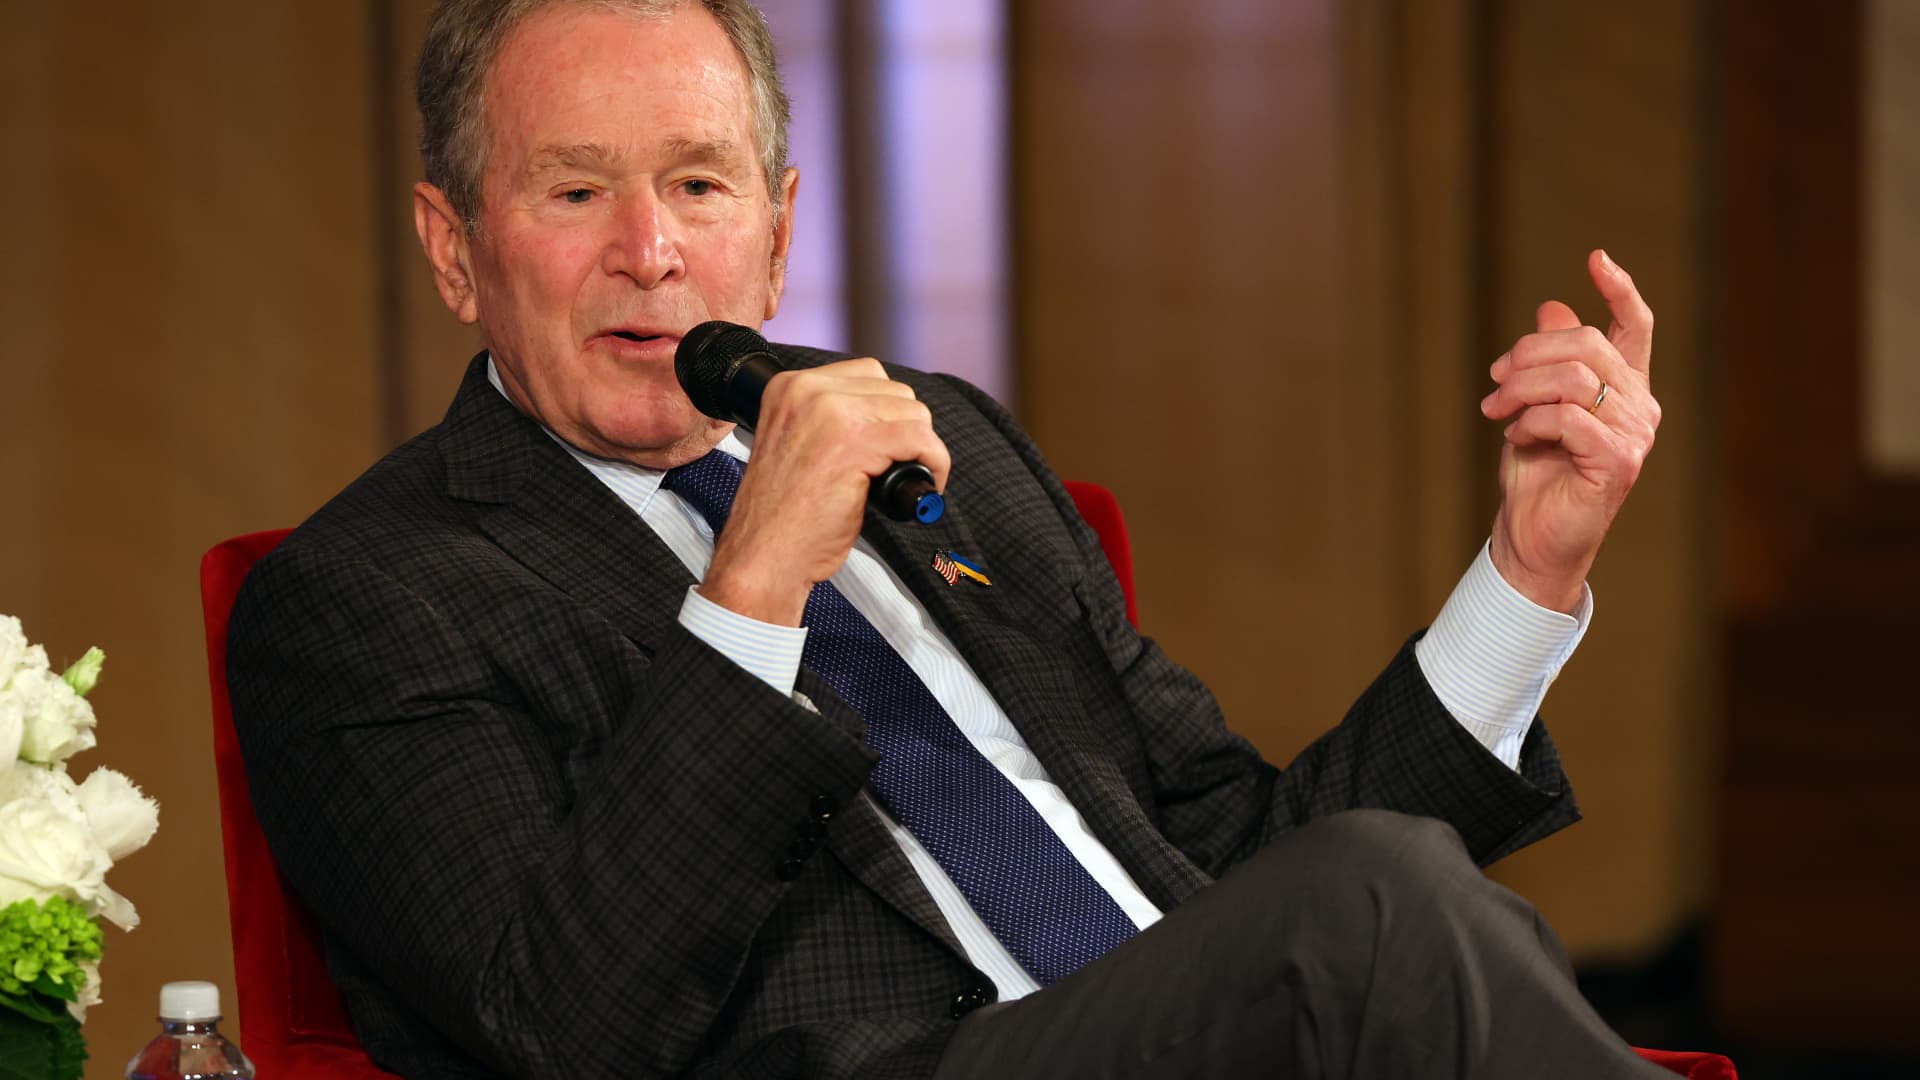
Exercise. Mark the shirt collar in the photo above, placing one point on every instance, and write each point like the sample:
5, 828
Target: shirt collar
635, 484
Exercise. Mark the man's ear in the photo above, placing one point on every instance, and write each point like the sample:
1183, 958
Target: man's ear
443, 236
782, 240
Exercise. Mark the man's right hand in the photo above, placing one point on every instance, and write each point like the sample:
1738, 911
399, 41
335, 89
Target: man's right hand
824, 433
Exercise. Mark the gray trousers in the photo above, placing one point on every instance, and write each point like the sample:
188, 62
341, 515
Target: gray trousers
1364, 945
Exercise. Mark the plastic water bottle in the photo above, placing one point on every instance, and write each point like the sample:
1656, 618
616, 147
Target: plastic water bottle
189, 1046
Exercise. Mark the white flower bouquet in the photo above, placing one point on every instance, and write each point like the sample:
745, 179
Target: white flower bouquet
58, 839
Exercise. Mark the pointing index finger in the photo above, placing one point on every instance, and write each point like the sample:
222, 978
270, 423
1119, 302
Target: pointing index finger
1631, 331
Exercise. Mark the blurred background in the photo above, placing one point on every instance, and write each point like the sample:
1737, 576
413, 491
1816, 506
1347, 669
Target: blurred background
1283, 235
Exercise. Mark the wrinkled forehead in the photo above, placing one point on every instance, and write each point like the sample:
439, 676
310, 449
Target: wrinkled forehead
624, 83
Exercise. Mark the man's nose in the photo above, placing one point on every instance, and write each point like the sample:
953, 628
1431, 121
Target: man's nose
645, 244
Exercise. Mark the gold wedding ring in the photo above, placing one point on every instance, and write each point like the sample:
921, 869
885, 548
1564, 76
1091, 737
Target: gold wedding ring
1595, 407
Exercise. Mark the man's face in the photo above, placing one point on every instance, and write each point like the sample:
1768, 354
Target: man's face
623, 203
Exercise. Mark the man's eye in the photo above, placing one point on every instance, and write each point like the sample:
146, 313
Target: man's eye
578, 196
698, 188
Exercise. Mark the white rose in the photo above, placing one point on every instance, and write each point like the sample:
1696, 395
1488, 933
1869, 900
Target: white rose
45, 853
56, 723
58, 825
121, 817
14, 650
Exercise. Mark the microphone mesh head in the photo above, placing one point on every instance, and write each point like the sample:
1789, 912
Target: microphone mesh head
706, 359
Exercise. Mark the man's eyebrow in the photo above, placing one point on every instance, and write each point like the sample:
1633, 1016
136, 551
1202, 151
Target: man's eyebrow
572, 156
722, 154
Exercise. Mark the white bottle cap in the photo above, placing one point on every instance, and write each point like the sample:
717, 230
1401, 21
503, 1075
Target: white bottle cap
190, 1001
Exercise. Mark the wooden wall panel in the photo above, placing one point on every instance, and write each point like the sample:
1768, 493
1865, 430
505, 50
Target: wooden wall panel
184, 355
1178, 253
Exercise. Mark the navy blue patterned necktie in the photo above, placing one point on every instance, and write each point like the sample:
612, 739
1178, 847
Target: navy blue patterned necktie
1027, 887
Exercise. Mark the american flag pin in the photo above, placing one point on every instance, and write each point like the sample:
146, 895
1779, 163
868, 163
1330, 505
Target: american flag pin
968, 568
946, 568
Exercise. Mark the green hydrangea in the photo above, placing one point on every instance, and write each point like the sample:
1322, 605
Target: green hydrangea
43, 944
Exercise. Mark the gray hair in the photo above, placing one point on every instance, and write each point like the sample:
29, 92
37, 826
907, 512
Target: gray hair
465, 36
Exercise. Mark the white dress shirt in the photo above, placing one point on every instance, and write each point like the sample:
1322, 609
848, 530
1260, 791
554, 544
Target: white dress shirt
1489, 658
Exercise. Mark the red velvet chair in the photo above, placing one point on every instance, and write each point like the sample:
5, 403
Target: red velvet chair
295, 1025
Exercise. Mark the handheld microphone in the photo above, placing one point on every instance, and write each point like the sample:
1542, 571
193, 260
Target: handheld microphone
724, 368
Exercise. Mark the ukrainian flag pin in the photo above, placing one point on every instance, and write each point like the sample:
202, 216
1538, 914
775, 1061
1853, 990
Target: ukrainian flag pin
968, 568
952, 567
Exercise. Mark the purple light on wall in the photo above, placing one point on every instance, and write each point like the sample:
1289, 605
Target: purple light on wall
944, 85
941, 87
814, 309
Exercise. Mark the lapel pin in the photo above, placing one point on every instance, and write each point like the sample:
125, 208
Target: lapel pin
967, 567
946, 568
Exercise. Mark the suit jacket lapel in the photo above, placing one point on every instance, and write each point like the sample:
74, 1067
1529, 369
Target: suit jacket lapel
551, 515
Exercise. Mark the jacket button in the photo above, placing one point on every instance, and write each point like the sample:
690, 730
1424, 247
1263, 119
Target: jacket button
789, 869
815, 831
966, 1002
801, 850
824, 807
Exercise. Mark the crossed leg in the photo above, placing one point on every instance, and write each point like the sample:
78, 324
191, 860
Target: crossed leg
1366, 944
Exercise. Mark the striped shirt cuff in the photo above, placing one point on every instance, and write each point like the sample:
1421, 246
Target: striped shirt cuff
769, 652
1492, 653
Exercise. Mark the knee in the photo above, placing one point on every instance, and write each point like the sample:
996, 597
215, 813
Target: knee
1387, 851
1386, 829
1332, 895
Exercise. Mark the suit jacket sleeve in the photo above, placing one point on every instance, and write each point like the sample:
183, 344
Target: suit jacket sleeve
544, 921
1397, 748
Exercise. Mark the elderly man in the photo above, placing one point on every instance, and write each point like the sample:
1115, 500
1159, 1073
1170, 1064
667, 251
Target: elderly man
594, 756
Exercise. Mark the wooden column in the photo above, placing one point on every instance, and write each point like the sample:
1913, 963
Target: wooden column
1814, 892
1601, 124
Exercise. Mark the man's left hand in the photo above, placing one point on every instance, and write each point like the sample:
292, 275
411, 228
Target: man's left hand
1572, 451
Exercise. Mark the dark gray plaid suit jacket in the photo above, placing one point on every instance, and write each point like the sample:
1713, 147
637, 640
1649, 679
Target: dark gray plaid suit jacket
540, 823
